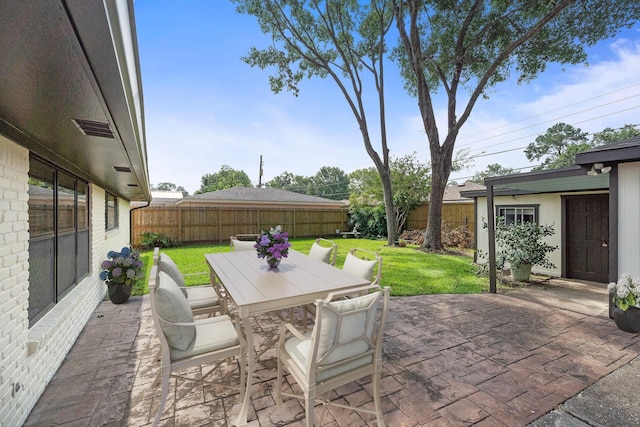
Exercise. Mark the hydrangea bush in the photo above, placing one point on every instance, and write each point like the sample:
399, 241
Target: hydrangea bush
122, 267
626, 291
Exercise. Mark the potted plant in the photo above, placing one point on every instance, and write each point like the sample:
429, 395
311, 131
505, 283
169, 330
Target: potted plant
521, 245
625, 296
273, 245
120, 272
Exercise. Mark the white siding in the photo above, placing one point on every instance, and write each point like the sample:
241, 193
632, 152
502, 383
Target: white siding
549, 213
31, 356
629, 218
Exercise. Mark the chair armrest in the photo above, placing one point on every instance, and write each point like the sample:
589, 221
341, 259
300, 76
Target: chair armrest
288, 327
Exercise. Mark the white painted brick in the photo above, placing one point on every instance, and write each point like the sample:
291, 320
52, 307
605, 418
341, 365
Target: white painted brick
58, 328
9, 195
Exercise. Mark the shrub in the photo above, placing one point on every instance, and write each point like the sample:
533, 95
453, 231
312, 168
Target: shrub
152, 240
520, 244
371, 221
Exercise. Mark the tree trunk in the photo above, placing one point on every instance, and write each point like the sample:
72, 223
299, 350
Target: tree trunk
433, 233
389, 208
441, 169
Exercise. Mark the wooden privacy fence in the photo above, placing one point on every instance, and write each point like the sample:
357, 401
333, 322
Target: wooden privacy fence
213, 224
454, 216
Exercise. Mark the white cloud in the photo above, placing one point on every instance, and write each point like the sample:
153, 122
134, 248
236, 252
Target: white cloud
605, 94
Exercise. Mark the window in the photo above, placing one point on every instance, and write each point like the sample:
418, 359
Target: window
58, 235
111, 212
517, 214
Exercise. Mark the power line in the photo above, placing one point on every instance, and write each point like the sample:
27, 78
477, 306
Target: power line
558, 109
550, 120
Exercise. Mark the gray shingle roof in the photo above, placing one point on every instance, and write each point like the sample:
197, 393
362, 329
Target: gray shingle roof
452, 193
250, 194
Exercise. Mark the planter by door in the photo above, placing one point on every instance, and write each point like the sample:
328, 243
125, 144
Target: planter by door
627, 320
118, 293
521, 273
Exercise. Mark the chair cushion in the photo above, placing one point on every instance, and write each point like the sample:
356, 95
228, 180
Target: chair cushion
166, 264
202, 296
359, 267
299, 351
243, 245
351, 328
321, 253
215, 333
349, 339
172, 306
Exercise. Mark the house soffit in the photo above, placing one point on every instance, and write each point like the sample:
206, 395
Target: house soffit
62, 69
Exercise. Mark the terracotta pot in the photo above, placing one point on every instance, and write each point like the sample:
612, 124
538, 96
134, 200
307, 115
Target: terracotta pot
627, 320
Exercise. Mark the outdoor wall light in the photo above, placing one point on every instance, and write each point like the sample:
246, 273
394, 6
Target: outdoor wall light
599, 168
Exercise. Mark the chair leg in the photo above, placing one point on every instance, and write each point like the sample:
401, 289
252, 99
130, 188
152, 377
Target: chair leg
279, 383
376, 397
166, 376
309, 404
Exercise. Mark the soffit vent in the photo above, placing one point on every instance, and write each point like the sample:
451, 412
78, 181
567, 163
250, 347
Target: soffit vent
122, 169
93, 128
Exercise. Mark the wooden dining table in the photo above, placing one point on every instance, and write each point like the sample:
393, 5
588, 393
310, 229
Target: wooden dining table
255, 288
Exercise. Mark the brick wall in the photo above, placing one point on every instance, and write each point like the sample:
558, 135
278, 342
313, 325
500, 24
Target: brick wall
31, 356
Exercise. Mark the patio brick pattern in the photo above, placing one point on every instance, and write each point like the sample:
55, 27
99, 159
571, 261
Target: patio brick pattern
449, 360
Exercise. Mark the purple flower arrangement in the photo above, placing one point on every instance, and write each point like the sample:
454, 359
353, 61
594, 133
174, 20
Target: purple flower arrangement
122, 267
273, 244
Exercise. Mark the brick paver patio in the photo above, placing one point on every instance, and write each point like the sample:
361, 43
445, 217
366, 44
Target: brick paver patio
449, 360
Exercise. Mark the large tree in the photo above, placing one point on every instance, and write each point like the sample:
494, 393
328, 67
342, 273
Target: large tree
168, 186
494, 169
558, 146
331, 182
291, 182
409, 178
609, 135
226, 177
471, 45
341, 40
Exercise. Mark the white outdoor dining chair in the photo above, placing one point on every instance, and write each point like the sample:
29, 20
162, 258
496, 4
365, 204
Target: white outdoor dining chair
187, 343
344, 346
363, 263
359, 262
204, 299
320, 250
240, 242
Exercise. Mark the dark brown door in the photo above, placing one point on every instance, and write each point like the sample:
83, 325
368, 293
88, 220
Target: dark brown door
587, 234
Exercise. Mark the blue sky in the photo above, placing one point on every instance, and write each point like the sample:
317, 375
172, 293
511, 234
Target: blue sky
204, 107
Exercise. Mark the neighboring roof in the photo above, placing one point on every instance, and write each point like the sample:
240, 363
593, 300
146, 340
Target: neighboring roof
452, 194
155, 194
251, 195
72, 90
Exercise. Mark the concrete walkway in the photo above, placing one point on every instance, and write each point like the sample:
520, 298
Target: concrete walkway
449, 360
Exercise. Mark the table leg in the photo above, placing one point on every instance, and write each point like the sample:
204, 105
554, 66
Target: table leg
241, 420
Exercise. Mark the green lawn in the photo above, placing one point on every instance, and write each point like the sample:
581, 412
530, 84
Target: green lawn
407, 271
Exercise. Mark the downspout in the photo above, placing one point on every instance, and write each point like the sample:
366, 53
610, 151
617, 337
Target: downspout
492, 239
131, 219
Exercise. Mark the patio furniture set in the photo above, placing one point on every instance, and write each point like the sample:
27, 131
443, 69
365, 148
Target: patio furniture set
212, 324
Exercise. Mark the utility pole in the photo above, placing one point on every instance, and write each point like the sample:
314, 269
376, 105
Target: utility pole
260, 173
